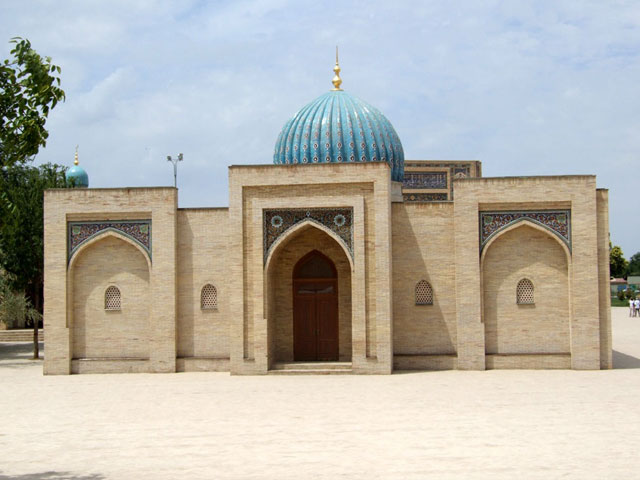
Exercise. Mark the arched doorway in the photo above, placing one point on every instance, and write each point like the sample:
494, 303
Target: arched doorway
315, 309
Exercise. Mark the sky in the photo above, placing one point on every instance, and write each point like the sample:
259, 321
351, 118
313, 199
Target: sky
526, 87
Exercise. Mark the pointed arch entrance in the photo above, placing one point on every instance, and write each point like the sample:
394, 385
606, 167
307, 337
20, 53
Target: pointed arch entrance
315, 309
308, 257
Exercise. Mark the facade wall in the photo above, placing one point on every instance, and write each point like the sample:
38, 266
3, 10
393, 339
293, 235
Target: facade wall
62, 206
101, 333
281, 280
394, 246
366, 188
577, 193
541, 327
423, 249
202, 241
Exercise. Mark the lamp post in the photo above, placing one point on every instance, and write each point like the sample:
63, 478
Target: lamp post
175, 168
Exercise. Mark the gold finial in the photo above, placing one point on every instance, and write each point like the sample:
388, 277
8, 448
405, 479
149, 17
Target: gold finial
337, 81
75, 161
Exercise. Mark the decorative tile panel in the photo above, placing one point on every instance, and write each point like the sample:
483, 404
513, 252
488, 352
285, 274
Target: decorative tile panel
80, 232
277, 222
424, 180
557, 221
456, 170
424, 197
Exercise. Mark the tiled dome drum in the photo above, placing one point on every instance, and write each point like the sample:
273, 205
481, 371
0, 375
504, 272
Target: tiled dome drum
339, 128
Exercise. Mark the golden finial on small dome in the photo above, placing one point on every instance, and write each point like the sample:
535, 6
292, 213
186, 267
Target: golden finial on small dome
75, 161
337, 81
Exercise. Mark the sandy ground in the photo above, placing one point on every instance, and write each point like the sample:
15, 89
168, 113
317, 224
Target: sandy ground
440, 425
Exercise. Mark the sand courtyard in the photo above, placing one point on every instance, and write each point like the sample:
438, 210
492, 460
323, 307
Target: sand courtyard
451, 424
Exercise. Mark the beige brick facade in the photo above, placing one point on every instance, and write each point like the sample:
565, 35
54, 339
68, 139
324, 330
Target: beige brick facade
390, 244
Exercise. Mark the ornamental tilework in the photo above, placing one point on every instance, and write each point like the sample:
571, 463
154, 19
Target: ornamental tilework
80, 232
558, 221
456, 170
424, 180
424, 197
277, 222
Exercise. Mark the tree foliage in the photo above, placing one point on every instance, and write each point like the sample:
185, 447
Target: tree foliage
15, 308
634, 264
21, 221
29, 89
22, 228
618, 263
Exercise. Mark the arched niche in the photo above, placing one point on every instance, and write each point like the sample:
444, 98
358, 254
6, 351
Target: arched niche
109, 259
303, 239
526, 250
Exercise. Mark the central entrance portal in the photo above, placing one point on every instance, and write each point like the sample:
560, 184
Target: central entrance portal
315, 309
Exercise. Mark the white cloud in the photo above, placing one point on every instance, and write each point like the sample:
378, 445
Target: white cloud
527, 87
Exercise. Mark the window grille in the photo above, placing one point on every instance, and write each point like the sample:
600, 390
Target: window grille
209, 297
424, 293
524, 292
112, 299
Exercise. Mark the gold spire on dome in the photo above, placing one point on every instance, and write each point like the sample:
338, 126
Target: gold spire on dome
337, 81
75, 161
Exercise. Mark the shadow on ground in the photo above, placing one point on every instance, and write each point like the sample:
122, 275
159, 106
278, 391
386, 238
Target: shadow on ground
18, 355
52, 476
622, 360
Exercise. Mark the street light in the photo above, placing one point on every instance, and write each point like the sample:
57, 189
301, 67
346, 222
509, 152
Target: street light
175, 168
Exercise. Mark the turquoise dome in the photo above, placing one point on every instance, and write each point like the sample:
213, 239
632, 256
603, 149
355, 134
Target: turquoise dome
339, 128
77, 177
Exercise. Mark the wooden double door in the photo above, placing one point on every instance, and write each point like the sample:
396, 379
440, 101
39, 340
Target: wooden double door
315, 309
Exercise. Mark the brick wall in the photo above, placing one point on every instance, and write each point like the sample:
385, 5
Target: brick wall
542, 327
202, 244
423, 250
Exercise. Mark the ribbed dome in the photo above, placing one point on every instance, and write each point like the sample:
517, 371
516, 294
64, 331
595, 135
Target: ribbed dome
77, 177
339, 128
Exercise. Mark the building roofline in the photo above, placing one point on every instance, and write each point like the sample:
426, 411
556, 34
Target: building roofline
109, 189
202, 208
548, 177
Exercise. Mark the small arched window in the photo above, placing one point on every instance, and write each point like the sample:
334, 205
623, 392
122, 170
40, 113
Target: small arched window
209, 297
524, 292
424, 293
112, 298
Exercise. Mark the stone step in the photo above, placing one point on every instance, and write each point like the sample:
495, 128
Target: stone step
22, 335
308, 371
311, 368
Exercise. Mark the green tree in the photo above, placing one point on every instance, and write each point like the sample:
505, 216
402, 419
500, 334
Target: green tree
634, 264
22, 228
15, 308
618, 264
29, 90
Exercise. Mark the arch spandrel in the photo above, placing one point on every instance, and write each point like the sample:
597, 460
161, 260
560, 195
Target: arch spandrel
520, 224
556, 222
279, 223
295, 230
101, 236
80, 233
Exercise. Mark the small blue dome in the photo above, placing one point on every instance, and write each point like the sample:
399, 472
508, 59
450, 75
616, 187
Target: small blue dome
77, 177
339, 128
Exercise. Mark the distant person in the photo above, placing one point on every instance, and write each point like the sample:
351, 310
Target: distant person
637, 307
632, 308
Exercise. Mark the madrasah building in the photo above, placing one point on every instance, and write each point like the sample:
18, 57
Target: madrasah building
340, 257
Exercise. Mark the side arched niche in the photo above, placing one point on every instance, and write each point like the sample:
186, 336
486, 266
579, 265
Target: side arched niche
108, 260
297, 243
526, 250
